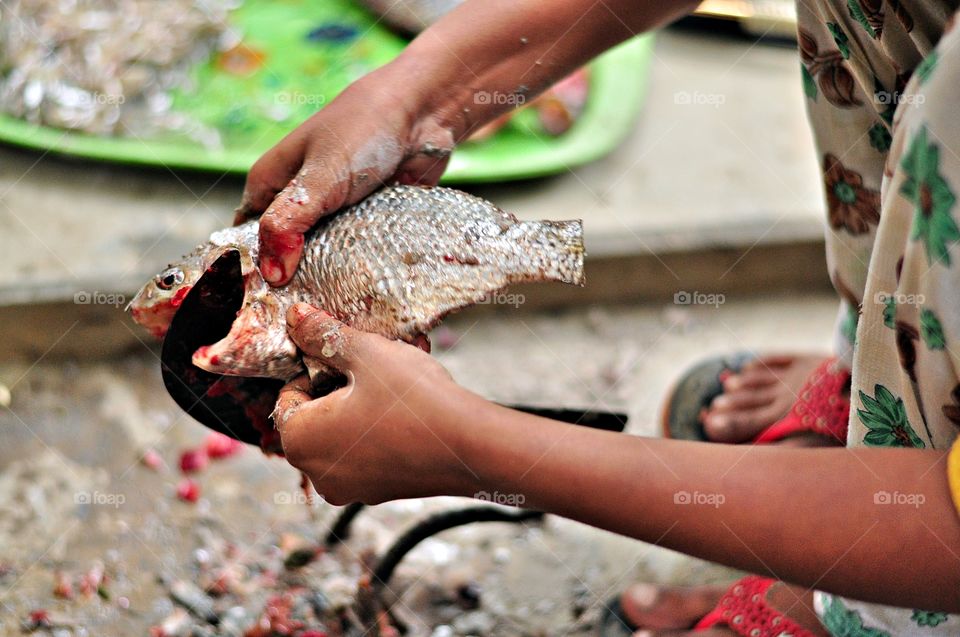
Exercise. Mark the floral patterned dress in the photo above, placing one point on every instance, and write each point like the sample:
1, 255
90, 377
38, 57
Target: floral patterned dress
882, 83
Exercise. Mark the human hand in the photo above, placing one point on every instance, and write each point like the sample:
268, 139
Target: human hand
369, 135
391, 433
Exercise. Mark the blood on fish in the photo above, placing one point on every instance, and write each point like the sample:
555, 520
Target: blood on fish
204, 354
467, 260
181, 294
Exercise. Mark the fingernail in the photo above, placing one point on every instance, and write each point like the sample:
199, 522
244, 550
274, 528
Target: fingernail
715, 421
297, 313
271, 268
279, 253
302, 310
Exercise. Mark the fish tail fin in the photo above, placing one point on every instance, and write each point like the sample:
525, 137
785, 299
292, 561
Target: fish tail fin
558, 248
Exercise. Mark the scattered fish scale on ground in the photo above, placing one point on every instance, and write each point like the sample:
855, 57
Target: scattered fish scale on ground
104, 66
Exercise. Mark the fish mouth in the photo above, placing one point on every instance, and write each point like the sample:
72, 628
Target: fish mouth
239, 407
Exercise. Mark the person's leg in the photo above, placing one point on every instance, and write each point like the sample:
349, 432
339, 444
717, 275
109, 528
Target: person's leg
854, 66
907, 384
853, 137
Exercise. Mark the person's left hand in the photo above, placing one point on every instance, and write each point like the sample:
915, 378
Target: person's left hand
391, 433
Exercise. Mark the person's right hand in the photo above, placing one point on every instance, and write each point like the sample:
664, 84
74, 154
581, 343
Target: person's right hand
364, 138
392, 432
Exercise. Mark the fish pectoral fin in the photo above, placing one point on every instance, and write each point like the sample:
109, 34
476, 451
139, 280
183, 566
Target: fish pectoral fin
257, 345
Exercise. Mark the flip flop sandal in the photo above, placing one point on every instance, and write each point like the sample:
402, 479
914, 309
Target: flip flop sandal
694, 392
822, 407
614, 621
744, 610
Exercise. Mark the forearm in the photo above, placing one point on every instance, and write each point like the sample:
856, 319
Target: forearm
808, 516
489, 55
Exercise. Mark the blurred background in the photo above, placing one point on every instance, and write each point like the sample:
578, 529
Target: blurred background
126, 127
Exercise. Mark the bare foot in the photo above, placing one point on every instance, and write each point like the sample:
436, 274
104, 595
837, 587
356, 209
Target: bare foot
759, 395
667, 611
653, 607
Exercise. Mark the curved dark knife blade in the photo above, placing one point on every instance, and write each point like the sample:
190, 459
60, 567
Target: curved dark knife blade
236, 406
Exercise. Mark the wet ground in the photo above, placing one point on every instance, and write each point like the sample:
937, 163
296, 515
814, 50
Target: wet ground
98, 539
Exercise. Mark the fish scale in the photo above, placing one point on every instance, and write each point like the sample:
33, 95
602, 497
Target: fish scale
394, 264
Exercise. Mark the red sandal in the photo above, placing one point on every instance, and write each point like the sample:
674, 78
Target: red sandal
744, 610
822, 407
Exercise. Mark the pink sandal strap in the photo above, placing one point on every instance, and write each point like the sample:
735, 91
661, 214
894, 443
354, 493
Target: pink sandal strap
744, 610
821, 407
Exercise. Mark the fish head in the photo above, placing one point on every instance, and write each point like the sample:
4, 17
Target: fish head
237, 406
158, 300
155, 304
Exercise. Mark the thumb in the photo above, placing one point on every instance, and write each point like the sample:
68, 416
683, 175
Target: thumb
311, 194
321, 336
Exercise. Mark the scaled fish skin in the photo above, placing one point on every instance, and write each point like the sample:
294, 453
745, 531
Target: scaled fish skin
394, 264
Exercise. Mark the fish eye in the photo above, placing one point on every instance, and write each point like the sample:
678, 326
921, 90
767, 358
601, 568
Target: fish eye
170, 278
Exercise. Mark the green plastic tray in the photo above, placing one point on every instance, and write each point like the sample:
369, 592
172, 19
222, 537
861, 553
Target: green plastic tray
301, 53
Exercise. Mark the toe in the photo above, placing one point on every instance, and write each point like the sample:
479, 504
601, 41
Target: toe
741, 425
773, 361
735, 401
659, 607
750, 379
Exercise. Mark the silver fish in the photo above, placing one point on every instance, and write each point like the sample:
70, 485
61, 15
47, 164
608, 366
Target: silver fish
394, 264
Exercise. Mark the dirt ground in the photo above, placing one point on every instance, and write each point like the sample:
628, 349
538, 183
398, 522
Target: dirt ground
84, 517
